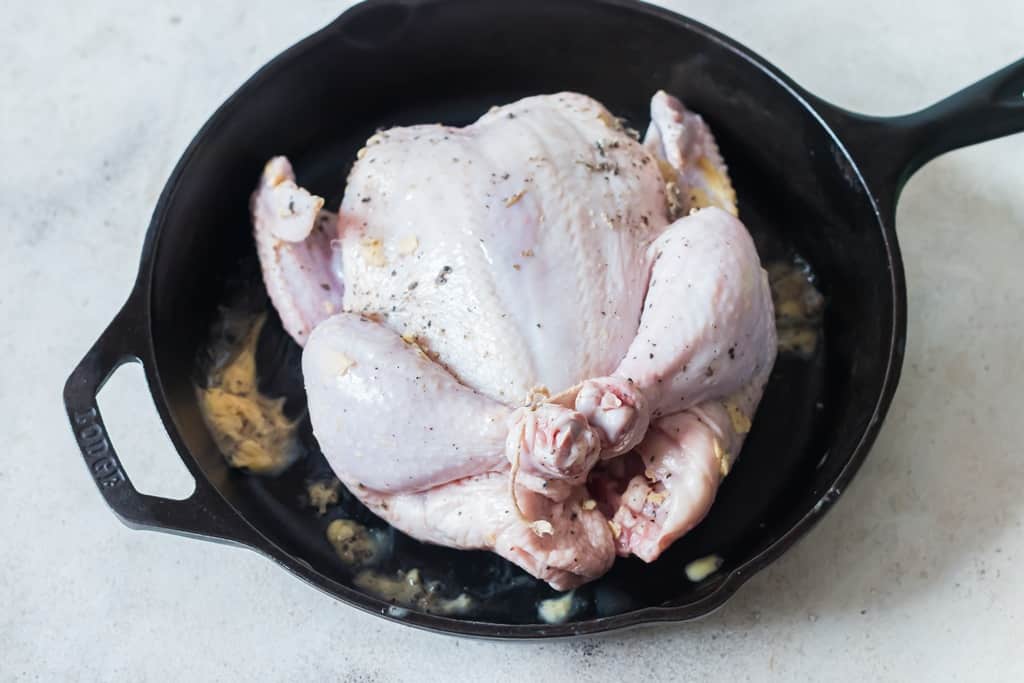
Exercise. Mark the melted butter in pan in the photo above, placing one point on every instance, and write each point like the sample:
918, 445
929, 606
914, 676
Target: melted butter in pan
359, 547
799, 306
250, 429
409, 590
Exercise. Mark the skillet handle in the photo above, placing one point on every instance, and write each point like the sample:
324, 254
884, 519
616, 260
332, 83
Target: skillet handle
991, 108
891, 149
203, 514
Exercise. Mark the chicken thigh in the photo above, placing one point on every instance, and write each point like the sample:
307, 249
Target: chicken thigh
533, 335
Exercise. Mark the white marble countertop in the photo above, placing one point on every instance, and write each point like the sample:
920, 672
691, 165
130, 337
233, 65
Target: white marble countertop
914, 575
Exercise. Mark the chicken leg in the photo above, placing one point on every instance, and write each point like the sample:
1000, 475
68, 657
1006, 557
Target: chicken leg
478, 513
439, 468
684, 458
358, 372
707, 328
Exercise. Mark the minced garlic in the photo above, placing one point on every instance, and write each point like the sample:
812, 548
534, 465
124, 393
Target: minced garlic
352, 542
250, 429
408, 589
542, 527
740, 422
655, 498
515, 198
323, 494
373, 252
723, 458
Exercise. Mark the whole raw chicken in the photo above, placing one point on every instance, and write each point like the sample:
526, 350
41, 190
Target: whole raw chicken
532, 335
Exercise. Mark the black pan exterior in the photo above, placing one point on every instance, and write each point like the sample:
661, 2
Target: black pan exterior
389, 63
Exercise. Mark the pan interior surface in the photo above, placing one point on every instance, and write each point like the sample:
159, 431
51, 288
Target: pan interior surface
388, 65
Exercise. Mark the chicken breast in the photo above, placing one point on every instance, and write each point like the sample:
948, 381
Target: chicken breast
468, 237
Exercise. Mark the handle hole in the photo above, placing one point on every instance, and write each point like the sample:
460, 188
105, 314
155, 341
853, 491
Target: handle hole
143, 447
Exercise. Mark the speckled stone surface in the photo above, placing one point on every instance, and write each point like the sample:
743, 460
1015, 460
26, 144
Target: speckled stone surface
916, 574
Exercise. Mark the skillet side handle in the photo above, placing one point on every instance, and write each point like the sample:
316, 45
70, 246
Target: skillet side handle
890, 150
205, 513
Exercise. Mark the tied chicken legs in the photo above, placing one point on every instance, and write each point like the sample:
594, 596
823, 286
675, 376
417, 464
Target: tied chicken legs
533, 335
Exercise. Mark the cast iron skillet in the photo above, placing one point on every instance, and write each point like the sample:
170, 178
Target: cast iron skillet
812, 179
